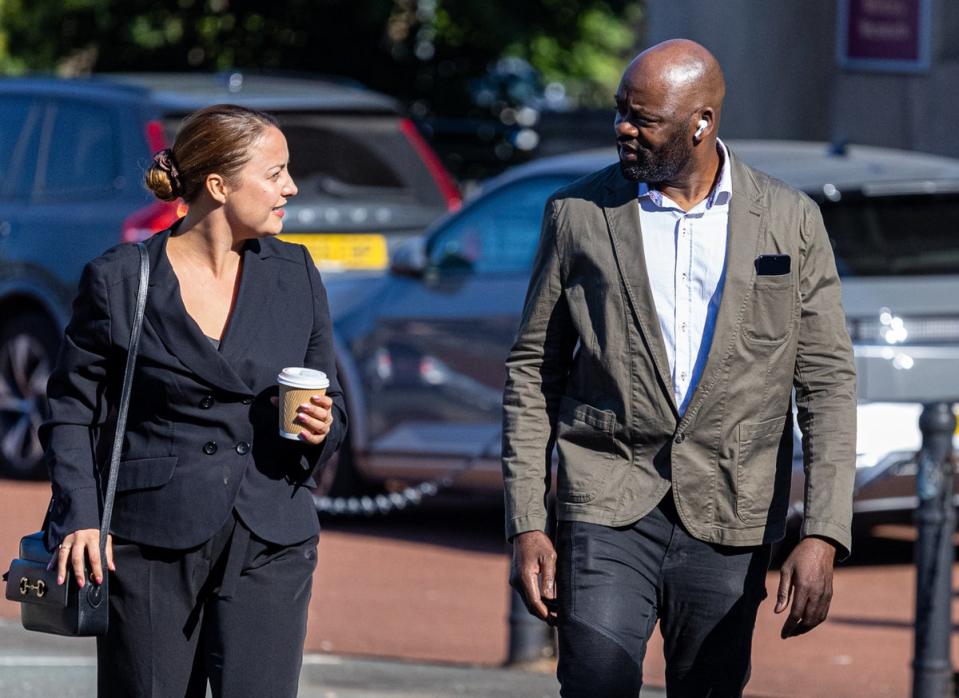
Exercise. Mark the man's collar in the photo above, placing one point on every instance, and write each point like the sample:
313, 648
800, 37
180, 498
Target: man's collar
720, 194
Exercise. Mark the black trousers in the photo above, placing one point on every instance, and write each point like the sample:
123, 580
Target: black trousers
231, 612
615, 583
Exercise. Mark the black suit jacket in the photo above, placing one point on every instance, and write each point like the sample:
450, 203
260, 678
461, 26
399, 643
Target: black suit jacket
202, 434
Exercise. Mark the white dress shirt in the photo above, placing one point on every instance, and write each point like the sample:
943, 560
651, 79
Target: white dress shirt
686, 264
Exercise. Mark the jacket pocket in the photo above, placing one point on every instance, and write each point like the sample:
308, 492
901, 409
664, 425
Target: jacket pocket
769, 318
145, 473
760, 494
587, 450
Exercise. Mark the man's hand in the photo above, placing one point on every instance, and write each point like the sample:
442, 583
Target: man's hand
533, 573
806, 576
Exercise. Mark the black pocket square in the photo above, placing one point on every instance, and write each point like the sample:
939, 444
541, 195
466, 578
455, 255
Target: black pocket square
772, 264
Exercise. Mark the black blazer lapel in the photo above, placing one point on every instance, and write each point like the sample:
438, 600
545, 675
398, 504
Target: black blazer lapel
177, 331
746, 222
271, 294
622, 216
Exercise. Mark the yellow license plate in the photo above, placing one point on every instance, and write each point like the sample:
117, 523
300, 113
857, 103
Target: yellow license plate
338, 252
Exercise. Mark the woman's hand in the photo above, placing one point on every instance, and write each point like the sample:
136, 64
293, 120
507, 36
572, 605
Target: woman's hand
316, 418
73, 549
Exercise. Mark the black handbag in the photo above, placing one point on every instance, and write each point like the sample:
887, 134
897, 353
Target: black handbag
65, 609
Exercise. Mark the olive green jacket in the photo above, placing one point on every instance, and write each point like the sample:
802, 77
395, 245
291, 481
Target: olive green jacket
588, 373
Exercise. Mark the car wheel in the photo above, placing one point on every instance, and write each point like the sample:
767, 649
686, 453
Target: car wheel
28, 347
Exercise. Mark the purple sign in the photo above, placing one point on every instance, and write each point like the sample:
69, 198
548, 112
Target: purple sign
884, 34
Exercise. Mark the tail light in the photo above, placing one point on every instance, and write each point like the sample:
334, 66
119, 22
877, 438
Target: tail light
151, 219
154, 134
442, 178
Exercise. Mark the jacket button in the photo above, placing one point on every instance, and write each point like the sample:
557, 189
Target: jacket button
207, 402
243, 448
209, 448
247, 401
680, 437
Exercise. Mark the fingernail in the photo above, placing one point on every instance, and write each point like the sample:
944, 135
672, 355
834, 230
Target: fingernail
80, 582
59, 581
100, 579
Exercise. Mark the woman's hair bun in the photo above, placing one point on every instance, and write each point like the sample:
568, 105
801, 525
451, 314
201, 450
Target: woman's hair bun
162, 177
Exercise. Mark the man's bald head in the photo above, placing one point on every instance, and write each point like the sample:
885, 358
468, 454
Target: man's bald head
667, 113
684, 69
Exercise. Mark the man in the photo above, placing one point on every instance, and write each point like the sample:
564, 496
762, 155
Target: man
675, 301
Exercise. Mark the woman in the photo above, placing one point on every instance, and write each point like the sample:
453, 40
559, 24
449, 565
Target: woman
214, 529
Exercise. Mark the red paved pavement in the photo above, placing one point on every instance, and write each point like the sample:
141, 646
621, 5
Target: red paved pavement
434, 589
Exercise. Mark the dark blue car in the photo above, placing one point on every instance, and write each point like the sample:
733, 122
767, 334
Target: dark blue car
72, 158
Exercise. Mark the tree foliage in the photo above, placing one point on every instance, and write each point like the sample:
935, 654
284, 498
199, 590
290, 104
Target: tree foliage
428, 52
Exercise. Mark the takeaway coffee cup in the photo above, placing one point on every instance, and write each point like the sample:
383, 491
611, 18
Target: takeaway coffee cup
297, 386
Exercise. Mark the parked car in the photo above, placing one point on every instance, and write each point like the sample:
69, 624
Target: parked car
72, 157
422, 350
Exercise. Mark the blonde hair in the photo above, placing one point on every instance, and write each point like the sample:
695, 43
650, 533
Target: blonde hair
212, 140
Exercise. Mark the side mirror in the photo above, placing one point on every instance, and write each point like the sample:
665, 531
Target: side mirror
409, 258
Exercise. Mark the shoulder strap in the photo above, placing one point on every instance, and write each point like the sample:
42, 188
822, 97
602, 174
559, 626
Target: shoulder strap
124, 405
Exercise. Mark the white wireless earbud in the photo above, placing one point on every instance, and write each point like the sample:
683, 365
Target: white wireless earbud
700, 127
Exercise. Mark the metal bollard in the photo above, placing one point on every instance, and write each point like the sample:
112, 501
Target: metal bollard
530, 639
935, 519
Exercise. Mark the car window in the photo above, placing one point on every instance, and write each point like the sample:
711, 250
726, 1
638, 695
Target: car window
362, 158
894, 235
499, 232
337, 160
356, 158
78, 154
19, 117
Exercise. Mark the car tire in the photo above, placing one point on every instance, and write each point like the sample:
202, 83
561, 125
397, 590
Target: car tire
28, 349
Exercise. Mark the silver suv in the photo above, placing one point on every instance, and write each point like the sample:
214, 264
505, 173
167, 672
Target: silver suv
423, 349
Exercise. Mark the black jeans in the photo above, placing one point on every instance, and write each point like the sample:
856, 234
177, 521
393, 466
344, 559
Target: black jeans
615, 583
232, 612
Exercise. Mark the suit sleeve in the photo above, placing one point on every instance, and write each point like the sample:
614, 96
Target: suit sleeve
825, 382
536, 374
77, 405
320, 356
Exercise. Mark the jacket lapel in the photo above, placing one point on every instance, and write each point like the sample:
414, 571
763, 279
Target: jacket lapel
746, 221
621, 209
178, 332
255, 316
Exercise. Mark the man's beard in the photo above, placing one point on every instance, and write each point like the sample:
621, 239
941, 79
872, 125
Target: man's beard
656, 167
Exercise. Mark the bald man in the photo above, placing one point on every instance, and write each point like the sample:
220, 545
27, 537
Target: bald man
676, 301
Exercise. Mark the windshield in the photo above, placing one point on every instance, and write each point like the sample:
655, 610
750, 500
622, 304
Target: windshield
894, 235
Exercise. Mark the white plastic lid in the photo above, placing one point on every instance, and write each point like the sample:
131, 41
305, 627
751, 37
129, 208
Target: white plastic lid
307, 378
